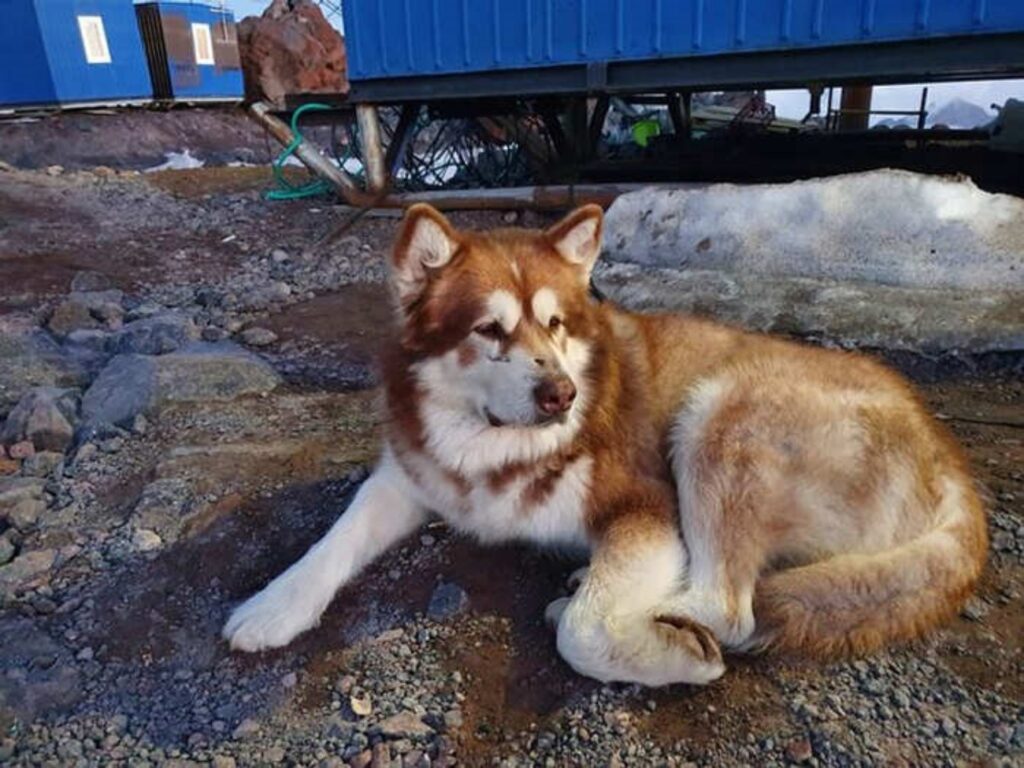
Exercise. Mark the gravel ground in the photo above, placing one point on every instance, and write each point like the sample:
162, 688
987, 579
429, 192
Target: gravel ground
130, 545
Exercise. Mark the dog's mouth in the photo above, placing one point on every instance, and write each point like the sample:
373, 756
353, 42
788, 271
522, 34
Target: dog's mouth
543, 421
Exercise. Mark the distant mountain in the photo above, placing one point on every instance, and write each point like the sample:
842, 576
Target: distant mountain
959, 113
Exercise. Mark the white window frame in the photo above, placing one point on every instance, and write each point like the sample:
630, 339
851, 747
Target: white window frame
203, 35
94, 39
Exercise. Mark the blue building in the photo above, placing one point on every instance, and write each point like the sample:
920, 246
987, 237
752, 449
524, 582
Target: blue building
70, 52
192, 50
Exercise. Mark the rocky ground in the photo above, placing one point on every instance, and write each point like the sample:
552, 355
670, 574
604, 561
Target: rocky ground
186, 376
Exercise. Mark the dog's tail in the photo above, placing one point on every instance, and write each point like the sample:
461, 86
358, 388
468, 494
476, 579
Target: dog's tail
852, 604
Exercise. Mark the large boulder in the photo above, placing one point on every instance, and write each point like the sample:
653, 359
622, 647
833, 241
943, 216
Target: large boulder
134, 384
46, 416
291, 49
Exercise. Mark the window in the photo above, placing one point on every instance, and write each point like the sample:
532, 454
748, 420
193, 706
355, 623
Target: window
94, 39
202, 41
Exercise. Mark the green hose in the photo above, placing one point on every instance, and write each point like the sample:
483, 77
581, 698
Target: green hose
286, 190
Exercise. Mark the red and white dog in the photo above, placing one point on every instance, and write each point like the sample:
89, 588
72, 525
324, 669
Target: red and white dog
732, 489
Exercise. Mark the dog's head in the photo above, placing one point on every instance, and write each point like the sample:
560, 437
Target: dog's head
500, 322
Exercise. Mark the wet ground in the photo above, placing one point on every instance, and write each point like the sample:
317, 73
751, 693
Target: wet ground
115, 657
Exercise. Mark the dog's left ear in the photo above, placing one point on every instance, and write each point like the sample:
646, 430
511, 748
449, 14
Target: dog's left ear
577, 237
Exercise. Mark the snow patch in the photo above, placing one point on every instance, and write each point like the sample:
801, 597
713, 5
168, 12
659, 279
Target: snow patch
177, 161
888, 227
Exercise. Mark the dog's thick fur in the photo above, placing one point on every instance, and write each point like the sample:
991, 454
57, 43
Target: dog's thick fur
732, 489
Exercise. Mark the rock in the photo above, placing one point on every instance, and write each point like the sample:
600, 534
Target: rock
134, 384
42, 464
279, 256
45, 416
290, 680
71, 316
91, 340
14, 490
258, 337
21, 450
54, 170
447, 600
291, 49
90, 280
35, 676
361, 760
34, 359
7, 549
25, 514
246, 728
26, 570
145, 540
361, 704
223, 761
162, 510
156, 335
404, 725
799, 750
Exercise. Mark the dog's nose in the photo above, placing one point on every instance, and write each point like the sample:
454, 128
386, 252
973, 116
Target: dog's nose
554, 395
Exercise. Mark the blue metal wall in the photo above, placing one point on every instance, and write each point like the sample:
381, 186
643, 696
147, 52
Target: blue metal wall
188, 79
394, 38
43, 58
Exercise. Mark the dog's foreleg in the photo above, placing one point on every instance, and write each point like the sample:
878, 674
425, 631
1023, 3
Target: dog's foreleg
613, 628
382, 513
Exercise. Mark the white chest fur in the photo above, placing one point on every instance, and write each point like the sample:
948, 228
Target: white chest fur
533, 506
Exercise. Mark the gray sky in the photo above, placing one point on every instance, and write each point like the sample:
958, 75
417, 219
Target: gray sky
794, 103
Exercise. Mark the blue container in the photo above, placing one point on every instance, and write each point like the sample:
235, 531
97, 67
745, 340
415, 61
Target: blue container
399, 39
192, 50
70, 52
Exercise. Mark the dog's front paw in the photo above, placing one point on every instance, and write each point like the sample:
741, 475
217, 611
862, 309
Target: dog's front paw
553, 613
269, 619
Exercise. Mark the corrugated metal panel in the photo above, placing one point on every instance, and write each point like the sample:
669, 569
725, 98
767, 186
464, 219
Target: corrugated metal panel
396, 38
42, 41
177, 68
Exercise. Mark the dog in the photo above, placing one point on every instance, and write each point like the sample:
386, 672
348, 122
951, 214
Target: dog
733, 490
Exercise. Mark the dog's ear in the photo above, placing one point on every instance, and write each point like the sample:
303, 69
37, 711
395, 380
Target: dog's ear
426, 241
577, 237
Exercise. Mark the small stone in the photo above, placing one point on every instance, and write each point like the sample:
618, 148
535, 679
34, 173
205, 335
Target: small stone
27, 569
279, 256
54, 170
290, 680
21, 450
361, 704
799, 750
8, 466
145, 540
245, 729
453, 719
447, 600
427, 540
362, 760
344, 684
223, 761
258, 337
404, 725
140, 425
86, 654
7, 550
274, 755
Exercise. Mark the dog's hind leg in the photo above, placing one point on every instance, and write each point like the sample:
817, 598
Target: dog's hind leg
613, 628
382, 513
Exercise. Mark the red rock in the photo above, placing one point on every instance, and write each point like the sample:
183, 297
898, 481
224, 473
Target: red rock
291, 49
8, 466
799, 750
21, 450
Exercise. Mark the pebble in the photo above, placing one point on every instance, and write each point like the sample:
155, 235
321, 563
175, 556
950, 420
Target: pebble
248, 727
799, 750
258, 337
145, 540
361, 704
21, 450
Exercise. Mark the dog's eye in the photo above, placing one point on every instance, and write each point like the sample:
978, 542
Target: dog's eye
491, 330
554, 323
